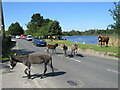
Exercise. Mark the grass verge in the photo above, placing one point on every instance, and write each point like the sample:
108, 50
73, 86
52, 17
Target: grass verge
113, 49
4, 56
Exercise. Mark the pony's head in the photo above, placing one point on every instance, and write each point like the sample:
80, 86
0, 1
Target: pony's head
99, 37
13, 61
56, 45
76, 45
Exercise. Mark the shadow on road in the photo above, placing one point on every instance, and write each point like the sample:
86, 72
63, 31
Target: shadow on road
13, 43
46, 75
23, 51
5, 69
4, 66
78, 55
60, 53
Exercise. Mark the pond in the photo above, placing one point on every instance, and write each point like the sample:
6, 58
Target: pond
82, 39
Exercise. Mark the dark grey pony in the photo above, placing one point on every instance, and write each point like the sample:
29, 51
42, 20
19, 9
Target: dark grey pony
65, 48
27, 60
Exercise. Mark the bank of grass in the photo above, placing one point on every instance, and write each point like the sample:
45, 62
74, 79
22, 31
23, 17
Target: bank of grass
115, 55
4, 58
113, 49
8, 51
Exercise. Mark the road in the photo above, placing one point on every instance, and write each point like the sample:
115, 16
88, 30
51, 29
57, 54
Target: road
81, 71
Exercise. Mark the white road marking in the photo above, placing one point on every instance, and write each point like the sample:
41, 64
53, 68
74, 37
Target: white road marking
17, 45
112, 71
71, 59
74, 59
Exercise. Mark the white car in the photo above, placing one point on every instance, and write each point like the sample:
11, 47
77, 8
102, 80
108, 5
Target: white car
17, 36
29, 38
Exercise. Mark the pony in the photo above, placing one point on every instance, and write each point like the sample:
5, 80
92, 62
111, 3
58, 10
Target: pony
65, 48
103, 40
51, 46
74, 49
28, 60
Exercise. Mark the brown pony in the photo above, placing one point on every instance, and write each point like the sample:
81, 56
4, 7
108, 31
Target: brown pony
52, 46
103, 40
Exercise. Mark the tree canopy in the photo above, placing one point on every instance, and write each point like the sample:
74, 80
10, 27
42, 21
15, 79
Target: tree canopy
115, 13
38, 26
15, 29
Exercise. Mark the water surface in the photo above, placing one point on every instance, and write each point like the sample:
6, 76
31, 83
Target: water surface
82, 39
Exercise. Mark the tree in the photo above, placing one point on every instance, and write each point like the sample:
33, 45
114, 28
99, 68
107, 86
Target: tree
40, 26
15, 29
54, 27
115, 13
35, 23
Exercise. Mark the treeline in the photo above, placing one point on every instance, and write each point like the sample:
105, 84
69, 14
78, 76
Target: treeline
38, 26
91, 32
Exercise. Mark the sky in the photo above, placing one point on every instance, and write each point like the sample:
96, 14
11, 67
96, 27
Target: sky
71, 15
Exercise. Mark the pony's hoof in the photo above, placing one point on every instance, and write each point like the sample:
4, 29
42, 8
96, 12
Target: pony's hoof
42, 77
29, 77
65, 55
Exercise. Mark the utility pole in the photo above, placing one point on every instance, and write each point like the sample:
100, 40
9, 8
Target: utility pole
2, 26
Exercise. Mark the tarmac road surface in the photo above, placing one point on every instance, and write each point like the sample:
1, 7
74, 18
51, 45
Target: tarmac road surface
81, 71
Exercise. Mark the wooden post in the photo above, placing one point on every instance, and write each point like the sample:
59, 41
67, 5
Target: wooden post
2, 26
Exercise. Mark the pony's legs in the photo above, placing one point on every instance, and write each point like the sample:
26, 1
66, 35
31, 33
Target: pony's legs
48, 50
25, 71
101, 43
106, 43
76, 52
54, 50
51, 66
28, 74
45, 69
65, 54
71, 52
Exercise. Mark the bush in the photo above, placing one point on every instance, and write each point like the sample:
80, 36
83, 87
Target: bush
6, 42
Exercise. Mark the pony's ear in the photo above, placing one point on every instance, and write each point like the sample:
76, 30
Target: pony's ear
10, 57
15, 54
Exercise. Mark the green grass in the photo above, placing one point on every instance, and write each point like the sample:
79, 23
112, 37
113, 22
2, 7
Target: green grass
115, 55
86, 46
4, 59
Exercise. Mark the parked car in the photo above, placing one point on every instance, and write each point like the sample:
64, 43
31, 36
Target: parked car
29, 38
39, 42
17, 36
13, 36
22, 36
34, 39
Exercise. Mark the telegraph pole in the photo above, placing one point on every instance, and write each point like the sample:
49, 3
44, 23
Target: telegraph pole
2, 26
